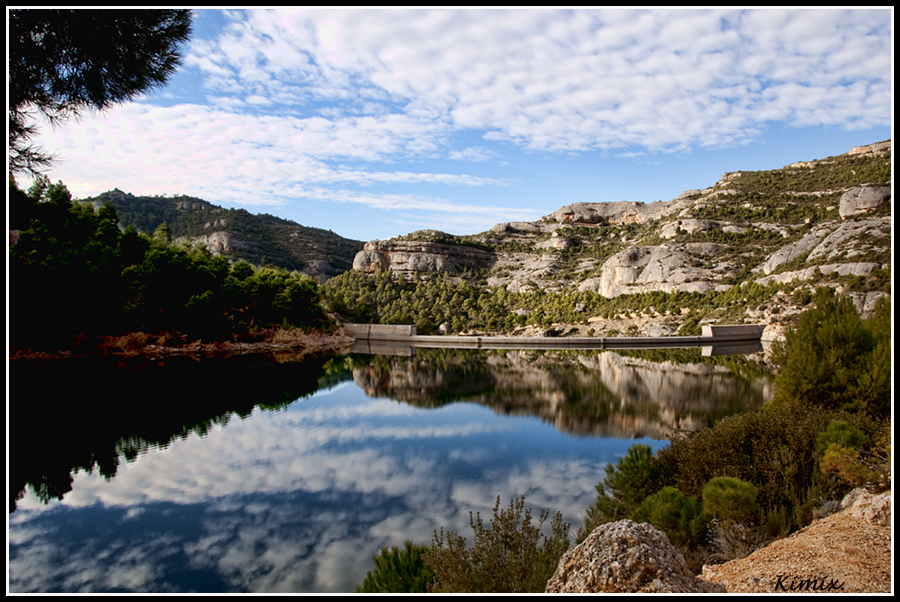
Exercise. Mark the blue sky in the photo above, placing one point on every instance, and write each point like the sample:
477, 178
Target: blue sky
375, 123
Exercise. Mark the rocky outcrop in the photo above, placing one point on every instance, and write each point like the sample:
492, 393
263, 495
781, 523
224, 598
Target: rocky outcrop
869, 507
852, 238
626, 557
864, 199
222, 242
410, 256
617, 214
793, 251
660, 268
673, 229
878, 148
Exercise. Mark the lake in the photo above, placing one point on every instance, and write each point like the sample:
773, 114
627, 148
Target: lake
271, 474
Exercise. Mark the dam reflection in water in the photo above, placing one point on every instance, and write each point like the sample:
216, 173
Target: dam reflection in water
261, 474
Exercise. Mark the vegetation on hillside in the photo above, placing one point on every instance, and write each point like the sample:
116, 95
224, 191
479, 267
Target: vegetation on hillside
834, 379
264, 239
466, 308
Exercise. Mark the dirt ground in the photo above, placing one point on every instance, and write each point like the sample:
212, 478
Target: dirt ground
839, 553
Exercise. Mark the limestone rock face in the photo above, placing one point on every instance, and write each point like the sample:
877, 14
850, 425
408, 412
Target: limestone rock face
626, 557
666, 268
218, 242
863, 199
705, 240
369, 260
847, 238
790, 252
877, 148
410, 256
620, 214
690, 226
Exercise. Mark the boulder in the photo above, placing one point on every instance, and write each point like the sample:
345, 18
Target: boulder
863, 199
869, 507
626, 557
368, 261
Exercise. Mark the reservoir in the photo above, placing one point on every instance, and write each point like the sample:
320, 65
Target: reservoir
276, 474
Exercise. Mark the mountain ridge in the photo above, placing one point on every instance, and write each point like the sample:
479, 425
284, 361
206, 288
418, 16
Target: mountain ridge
753, 247
237, 233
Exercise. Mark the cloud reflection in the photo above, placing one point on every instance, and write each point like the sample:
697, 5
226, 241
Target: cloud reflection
298, 500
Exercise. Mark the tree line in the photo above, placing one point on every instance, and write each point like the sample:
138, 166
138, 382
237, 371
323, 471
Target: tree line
76, 275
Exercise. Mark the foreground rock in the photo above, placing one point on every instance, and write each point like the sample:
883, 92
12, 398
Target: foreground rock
626, 557
846, 552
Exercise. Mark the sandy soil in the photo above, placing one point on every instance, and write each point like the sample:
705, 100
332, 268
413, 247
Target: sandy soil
838, 553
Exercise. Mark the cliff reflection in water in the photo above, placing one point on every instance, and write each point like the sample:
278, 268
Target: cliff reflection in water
658, 394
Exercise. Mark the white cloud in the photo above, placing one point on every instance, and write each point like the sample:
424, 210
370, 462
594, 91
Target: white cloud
575, 80
194, 147
473, 153
320, 103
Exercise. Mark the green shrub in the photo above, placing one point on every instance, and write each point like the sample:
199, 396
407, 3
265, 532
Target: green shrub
858, 467
622, 490
690, 328
839, 431
510, 556
398, 571
773, 448
681, 518
831, 358
730, 500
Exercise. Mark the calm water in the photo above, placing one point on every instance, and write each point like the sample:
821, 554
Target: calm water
256, 474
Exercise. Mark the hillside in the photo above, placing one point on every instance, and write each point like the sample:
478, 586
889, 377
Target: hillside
239, 234
754, 244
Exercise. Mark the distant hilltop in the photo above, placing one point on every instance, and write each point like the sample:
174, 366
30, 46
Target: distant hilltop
237, 233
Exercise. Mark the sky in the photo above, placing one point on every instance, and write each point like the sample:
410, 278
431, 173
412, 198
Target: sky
376, 123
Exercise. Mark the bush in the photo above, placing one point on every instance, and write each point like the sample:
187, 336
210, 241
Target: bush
840, 432
834, 359
730, 500
507, 557
856, 467
398, 571
622, 490
773, 448
681, 518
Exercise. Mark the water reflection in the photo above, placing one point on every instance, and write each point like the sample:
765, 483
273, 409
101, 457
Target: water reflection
219, 492
658, 394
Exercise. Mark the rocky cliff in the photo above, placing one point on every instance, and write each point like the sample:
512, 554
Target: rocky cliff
813, 223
